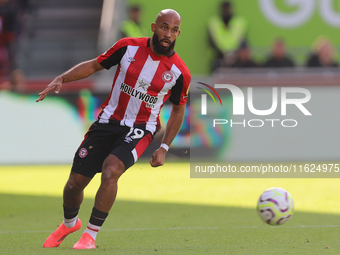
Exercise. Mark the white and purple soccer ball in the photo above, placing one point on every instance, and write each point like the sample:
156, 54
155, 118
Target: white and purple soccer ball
275, 206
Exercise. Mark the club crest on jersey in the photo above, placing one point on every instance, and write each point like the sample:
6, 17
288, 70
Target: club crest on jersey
167, 76
82, 153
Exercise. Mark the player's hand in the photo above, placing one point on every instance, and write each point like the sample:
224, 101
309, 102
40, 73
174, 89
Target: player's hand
55, 85
158, 157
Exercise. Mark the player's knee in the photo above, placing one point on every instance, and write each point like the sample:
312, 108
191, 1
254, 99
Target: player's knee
111, 173
73, 185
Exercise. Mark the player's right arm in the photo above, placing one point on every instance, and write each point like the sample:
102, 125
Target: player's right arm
78, 72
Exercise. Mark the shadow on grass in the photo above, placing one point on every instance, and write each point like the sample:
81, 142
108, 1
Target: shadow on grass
162, 228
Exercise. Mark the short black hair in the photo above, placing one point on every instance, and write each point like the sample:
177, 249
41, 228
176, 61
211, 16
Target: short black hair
226, 4
134, 8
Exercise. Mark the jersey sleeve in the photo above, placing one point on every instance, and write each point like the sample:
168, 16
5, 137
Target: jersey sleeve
179, 92
112, 56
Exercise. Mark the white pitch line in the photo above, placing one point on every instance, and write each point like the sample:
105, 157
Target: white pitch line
178, 228
143, 229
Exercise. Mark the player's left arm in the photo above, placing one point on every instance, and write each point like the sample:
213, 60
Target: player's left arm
172, 128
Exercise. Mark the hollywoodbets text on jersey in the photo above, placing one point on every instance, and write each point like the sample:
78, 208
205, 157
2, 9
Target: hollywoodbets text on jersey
149, 100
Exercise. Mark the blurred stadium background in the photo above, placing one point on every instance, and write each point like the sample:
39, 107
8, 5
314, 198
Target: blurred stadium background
60, 34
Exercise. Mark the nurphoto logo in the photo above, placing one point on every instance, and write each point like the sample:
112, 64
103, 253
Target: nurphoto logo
239, 105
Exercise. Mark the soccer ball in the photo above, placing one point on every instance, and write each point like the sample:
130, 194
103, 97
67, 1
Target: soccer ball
275, 206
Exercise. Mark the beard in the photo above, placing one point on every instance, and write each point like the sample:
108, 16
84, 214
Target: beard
159, 48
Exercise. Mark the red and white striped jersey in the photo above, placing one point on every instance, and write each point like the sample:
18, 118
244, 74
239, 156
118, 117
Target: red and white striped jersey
142, 83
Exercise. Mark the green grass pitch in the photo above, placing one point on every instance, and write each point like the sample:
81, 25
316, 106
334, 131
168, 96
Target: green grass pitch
163, 211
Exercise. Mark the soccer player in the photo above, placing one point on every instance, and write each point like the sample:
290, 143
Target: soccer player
149, 72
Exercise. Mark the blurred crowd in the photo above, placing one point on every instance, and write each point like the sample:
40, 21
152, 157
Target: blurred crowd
12, 26
228, 38
131, 27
